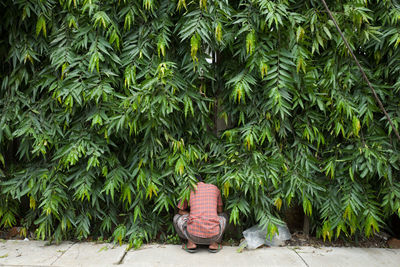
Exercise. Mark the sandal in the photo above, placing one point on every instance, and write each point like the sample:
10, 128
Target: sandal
215, 250
190, 250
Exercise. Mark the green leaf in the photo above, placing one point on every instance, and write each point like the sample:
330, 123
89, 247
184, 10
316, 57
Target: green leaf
41, 26
2, 160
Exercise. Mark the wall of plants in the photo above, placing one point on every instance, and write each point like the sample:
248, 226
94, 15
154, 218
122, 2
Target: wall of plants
110, 109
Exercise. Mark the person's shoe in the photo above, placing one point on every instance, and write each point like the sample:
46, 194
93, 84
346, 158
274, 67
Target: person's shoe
215, 250
190, 250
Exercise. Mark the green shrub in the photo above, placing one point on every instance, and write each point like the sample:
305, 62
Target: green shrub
109, 109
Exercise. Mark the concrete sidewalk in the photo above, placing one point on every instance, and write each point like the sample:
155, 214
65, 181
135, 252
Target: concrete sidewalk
36, 253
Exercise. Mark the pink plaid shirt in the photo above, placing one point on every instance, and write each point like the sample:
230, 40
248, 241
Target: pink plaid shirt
203, 217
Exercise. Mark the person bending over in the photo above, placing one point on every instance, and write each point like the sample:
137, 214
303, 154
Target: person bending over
205, 223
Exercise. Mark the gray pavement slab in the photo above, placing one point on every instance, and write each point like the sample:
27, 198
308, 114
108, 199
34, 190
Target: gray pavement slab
173, 255
92, 254
30, 253
363, 257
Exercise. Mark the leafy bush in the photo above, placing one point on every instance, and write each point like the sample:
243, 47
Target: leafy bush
109, 109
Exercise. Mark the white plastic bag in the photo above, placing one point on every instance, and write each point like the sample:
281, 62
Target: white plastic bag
256, 237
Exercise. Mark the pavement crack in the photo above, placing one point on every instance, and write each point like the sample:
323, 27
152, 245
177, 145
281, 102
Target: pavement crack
300, 257
121, 260
62, 253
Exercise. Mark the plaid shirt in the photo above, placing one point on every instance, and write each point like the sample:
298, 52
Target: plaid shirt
203, 218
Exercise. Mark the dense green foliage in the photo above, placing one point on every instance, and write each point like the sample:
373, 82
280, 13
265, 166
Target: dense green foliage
109, 109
